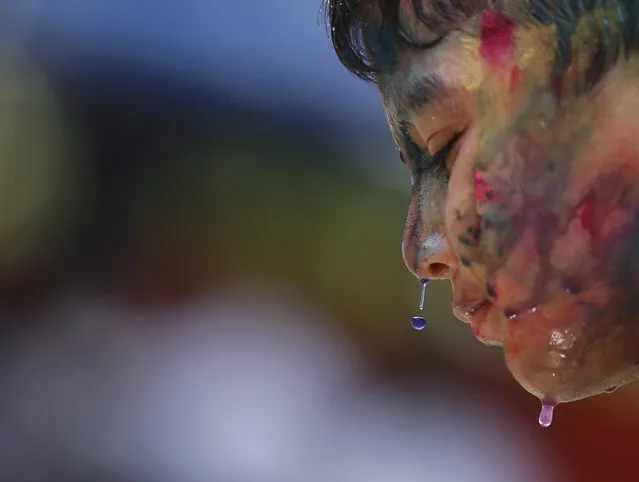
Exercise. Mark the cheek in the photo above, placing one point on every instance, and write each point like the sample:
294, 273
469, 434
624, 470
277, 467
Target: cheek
460, 207
558, 248
546, 231
574, 347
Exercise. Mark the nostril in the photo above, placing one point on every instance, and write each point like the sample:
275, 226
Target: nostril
438, 270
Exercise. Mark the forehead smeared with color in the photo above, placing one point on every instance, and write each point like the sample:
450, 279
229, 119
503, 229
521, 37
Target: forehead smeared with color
369, 35
565, 45
589, 36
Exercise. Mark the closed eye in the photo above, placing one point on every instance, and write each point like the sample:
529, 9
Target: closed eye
442, 156
418, 158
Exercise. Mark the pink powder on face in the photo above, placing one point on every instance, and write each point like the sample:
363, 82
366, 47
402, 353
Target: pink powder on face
497, 41
587, 215
483, 191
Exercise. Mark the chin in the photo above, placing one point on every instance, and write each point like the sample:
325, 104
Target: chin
572, 347
566, 384
567, 351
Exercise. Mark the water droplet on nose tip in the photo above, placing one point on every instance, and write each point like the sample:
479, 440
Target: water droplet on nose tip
545, 416
418, 323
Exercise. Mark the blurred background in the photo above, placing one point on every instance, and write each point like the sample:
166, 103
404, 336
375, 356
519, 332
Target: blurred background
201, 277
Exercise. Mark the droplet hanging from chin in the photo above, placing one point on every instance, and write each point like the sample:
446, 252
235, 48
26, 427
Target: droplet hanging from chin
546, 414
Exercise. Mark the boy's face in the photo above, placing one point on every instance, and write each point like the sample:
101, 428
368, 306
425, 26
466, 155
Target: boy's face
528, 199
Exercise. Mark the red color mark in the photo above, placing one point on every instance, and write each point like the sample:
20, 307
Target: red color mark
497, 45
479, 334
483, 191
587, 215
515, 79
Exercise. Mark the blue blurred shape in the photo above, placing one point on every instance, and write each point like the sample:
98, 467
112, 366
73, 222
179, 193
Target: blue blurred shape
271, 54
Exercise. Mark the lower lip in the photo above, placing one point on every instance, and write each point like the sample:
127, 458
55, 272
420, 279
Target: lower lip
476, 317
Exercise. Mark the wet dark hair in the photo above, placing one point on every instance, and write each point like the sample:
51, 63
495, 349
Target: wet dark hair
348, 19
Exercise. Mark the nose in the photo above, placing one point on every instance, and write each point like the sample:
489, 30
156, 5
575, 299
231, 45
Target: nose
427, 257
425, 247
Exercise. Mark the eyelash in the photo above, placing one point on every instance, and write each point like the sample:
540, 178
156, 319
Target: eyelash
441, 156
426, 161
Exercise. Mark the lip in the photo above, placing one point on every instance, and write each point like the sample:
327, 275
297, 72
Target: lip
474, 313
467, 311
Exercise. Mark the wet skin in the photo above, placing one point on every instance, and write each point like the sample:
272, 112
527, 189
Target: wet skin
525, 193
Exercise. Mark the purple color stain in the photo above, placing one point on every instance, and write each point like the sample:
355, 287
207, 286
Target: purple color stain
571, 287
418, 323
545, 416
421, 303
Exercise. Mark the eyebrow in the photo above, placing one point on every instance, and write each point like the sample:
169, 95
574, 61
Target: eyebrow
413, 94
